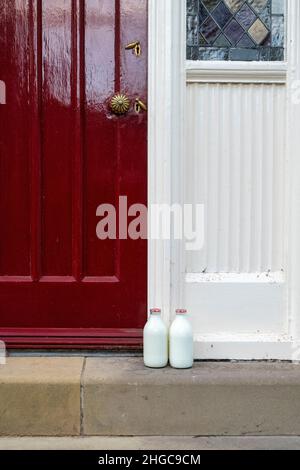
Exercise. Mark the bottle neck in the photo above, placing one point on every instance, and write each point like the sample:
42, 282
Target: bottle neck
181, 316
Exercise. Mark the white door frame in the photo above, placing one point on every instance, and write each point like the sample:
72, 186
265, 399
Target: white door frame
167, 87
293, 175
167, 99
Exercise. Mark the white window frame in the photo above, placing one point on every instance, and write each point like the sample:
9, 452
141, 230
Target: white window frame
168, 74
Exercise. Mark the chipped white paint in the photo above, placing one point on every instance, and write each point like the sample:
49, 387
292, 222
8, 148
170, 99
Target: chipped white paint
243, 347
268, 277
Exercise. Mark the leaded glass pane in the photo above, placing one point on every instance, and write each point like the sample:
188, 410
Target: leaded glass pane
235, 30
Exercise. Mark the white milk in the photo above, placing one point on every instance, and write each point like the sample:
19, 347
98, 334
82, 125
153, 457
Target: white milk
181, 342
155, 341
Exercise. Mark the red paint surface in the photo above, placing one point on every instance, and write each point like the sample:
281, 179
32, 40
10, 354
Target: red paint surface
62, 154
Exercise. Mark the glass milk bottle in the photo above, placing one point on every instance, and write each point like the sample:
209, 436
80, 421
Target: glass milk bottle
155, 341
181, 341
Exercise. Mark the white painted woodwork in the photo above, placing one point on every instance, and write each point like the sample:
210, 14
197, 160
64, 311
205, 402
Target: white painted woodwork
236, 72
166, 141
247, 170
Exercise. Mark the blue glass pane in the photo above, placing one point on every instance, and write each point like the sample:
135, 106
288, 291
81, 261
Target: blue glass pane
245, 16
222, 41
246, 42
209, 30
235, 30
244, 54
221, 15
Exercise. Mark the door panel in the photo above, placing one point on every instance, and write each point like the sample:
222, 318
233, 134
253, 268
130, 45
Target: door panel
56, 118
15, 156
63, 153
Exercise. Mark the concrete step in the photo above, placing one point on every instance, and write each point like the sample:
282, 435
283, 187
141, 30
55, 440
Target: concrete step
117, 396
40, 396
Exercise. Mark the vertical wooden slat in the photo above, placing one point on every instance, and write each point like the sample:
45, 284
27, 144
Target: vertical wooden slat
268, 168
280, 188
257, 156
235, 138
213, 179
225, 158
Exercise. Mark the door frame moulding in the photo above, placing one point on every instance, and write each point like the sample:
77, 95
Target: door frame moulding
236, 72
166, 136
292, 247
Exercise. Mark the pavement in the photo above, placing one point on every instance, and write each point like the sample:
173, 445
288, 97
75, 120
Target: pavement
150, 443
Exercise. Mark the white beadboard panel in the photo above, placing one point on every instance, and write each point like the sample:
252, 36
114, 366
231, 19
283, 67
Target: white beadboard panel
235, 165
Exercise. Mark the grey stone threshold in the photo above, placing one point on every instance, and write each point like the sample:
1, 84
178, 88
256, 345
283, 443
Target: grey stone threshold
118, 396
76, 353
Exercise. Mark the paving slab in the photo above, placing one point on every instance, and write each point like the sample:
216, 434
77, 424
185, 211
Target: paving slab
151, 443
40, 396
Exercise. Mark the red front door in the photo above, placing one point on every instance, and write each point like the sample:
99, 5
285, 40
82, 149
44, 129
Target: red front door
62, 154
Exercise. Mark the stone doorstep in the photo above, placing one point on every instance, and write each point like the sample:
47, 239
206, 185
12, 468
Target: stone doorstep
117, 396
40, 396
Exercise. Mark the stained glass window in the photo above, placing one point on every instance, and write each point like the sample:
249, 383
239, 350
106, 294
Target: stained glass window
251, 30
